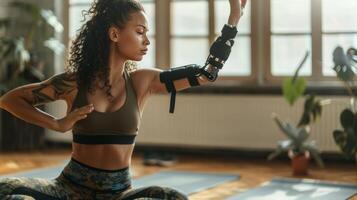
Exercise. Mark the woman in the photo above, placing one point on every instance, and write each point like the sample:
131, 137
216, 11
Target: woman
105, 95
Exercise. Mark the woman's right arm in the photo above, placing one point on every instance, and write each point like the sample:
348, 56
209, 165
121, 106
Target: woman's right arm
22, 101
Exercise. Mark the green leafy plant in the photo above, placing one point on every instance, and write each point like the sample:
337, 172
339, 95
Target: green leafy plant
297, 136
345, 67
294, 87
33, 21
26, 29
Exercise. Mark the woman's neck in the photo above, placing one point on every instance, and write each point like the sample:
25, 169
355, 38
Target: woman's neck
116, 64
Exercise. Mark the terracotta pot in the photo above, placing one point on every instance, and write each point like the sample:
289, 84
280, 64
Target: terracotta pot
300, 163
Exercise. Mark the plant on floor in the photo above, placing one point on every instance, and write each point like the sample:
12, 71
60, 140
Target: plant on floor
297, 143
345, 66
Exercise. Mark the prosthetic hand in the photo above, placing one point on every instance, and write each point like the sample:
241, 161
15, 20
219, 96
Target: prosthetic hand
219, 53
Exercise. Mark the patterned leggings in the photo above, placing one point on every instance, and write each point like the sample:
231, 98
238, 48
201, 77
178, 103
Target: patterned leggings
79, 181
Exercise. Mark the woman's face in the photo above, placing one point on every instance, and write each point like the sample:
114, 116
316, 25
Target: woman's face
133, 41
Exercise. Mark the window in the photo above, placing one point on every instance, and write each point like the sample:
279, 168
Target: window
339, 28
290, 36
189, 32
318, 26
76, 19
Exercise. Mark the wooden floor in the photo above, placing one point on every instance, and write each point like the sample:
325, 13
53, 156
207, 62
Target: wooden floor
253, 171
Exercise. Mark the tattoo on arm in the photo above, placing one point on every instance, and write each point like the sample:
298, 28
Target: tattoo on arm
53, 89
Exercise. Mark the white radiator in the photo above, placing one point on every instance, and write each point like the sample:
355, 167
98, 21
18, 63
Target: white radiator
231, 121
227, 121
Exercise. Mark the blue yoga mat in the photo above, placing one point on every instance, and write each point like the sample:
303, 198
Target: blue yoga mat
46, 172
298, 189
186, 182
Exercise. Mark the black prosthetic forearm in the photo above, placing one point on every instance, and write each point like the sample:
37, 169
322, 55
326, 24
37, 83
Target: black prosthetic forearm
220, 50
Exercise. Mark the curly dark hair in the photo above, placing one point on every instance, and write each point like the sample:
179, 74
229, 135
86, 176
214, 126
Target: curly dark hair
88, 57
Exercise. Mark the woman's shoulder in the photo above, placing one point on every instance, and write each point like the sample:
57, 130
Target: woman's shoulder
144, 72
143, 79
66, 87
63, 84
64, 80
145, 76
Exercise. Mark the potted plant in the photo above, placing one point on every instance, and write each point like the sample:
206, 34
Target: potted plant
297, 145
23, 36
345, 66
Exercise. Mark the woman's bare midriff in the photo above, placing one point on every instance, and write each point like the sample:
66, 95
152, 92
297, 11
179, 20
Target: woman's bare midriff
103, 156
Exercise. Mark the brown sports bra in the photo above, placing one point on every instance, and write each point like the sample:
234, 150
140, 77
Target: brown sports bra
118, 127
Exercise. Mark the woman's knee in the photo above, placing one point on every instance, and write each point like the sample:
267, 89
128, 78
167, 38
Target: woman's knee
9, 183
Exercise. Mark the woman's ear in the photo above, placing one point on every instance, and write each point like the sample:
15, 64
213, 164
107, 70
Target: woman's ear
114, 34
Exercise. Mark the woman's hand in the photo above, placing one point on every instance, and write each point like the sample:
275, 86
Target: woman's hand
66, 123
237, 7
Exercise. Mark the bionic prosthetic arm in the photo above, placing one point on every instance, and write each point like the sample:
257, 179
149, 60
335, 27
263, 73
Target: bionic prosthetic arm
219, 53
